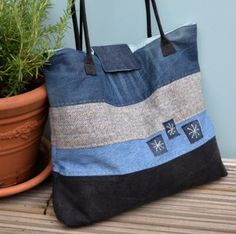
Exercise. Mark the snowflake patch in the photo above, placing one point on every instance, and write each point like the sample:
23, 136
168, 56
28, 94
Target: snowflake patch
193, 131
157, 145
171, 129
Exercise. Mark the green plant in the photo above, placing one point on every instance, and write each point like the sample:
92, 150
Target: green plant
27, 42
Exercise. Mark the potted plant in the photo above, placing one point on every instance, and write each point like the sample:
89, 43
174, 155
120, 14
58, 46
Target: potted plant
27, 42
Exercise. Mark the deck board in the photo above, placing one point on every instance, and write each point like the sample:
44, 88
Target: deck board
207, 209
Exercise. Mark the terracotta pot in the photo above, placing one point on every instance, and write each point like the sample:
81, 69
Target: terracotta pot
22, 118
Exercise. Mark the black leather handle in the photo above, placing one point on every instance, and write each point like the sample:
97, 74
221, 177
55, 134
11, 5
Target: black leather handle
79, 36
90, 68
166, 46
89, 65
148, 15
78, 42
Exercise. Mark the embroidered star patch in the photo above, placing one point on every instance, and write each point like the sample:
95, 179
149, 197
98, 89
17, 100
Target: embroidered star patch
171, 129
157, 145
193, 131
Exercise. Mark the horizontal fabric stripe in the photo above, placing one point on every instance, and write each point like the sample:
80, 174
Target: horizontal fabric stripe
68, 84
127, 157
97, 124
81, 201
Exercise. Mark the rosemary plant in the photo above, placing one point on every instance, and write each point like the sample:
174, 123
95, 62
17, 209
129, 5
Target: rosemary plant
27, 42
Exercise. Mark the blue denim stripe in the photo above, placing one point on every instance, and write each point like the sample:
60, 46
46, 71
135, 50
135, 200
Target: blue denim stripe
68, 84
130, 156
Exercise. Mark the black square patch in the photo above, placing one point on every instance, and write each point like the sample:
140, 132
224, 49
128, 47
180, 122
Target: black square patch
157, 145
171, 129
193, 131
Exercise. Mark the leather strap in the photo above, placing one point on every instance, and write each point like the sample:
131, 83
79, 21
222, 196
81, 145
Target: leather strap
79, 36
166, 46
75, 27
148, 16
89, 65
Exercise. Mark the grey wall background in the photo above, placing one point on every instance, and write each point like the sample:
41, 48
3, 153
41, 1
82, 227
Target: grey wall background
123, 21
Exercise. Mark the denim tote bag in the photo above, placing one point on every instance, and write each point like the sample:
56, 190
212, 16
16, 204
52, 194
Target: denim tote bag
128, 123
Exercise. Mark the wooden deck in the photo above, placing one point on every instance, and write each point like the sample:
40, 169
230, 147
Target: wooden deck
207, 209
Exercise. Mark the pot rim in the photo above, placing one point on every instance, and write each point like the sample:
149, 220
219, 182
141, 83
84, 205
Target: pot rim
23, 99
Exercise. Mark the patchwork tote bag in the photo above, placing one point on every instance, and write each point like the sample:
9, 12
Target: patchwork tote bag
128, 123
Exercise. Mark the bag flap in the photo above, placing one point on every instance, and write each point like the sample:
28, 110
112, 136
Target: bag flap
116, 58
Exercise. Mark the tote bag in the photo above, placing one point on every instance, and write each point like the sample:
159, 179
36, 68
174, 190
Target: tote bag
128, 123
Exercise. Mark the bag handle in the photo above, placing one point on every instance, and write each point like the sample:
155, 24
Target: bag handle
78, 42
148, 16
89, 65
79, 36
166, 46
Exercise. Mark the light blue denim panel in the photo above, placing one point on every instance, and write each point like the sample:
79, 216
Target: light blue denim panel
128, 157
69, 85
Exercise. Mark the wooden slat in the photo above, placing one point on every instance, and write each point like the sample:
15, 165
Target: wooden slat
206, 209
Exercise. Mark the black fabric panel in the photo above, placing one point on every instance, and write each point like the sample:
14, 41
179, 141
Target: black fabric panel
80, 201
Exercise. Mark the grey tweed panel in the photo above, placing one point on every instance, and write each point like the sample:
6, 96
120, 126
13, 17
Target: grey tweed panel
97, 124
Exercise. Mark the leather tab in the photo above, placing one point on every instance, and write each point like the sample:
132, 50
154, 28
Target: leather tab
167, 47
89, 66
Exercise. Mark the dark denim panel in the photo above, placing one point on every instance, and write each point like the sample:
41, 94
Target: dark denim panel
116, 58
69, 85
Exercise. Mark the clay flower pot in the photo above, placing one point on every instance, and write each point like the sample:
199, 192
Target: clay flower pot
22, 118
